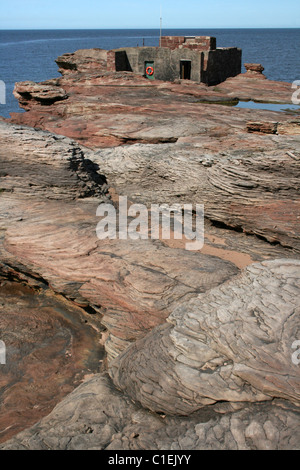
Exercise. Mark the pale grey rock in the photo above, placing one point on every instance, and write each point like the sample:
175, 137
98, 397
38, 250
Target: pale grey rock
96, 416
47, 166
232, 343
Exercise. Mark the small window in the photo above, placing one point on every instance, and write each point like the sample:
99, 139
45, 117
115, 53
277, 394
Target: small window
185, 69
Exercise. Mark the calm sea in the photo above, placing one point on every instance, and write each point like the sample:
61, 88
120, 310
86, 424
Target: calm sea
30, 55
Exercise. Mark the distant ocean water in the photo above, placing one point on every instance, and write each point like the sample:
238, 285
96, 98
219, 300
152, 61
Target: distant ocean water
30, 55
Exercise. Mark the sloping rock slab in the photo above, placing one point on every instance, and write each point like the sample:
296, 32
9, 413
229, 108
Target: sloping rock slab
49, 198
255, 190
40, 164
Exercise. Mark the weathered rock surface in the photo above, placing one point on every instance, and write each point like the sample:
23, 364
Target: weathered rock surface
224, 355
263, 127
46, 166
233, 343
42, 93
106, 109
253, 86
83, 60
97, 417
134, 283
246, 181
255, 70
254, 189
51, 345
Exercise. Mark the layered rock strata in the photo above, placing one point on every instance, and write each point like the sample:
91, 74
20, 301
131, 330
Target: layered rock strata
233, 343
134, 284
255, 190
185, 333
97, 417
51, 347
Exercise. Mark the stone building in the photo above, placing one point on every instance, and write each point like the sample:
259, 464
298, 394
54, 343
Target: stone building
178, 57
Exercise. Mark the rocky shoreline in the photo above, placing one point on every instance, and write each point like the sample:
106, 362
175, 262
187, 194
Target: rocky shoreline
193, 349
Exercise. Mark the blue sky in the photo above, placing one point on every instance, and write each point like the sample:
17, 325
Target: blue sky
98, 14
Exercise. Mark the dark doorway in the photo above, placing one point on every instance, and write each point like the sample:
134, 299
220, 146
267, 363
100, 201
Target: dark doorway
185, 69
122, 62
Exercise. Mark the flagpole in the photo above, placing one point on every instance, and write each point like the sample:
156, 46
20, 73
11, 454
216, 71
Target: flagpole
160, 27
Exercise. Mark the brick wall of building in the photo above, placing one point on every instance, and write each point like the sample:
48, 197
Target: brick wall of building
199, 43
172, 42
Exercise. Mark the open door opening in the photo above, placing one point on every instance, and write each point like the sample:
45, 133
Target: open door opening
185, 69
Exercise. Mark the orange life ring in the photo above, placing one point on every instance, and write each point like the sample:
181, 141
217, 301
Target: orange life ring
149, 71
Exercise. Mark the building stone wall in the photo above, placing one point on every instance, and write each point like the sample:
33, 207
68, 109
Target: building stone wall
166, 62
209, 64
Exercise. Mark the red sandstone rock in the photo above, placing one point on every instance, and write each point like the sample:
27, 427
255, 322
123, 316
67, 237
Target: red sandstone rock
256, 68
114, 109
50, 347
83, 60
264, 127
196, 153
42, 93
252, 86
134, 283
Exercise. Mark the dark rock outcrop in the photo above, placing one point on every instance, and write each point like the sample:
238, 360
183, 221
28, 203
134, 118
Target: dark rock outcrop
51, 347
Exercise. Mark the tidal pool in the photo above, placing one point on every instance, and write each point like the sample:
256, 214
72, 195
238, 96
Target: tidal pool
51, 346
268, 106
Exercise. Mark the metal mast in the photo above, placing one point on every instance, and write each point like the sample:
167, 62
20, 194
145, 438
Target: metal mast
160, 27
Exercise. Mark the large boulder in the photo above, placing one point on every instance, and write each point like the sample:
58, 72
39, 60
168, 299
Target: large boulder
233, 343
